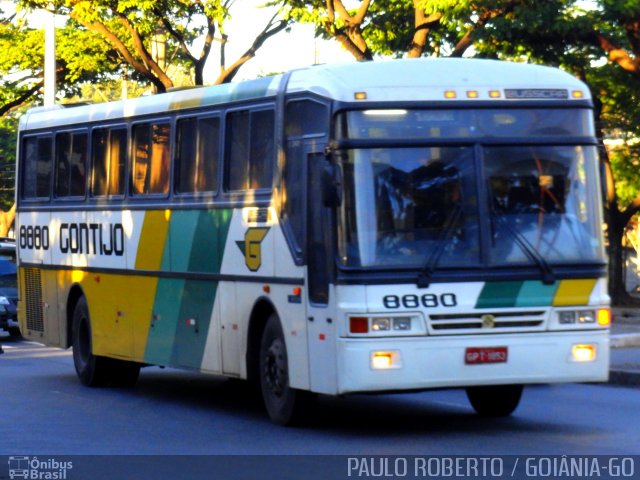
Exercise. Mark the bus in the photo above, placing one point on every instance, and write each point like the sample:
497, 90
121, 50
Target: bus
380, 227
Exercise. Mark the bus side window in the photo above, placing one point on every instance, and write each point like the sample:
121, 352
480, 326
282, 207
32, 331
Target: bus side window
150, 169
302, 118
197, 153
109, 151
36, 163
250, 150
71, 164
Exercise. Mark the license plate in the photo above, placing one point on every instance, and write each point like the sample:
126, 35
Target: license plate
478, 355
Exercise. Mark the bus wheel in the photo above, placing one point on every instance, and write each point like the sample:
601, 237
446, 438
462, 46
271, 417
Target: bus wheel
495, 400
284, 404
91, 370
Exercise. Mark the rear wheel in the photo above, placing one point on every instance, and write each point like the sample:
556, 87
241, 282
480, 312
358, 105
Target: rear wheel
93, 370
284, 404
495, 400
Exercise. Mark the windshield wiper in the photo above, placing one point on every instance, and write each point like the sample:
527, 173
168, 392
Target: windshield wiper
424, 278
548, 277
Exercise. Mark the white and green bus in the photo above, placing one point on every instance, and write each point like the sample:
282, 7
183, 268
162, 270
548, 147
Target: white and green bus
366, 227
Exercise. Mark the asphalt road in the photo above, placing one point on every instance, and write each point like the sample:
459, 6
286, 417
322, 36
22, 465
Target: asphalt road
45, 411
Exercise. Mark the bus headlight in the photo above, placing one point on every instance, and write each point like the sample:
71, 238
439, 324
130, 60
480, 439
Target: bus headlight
582, 318
386, 325
380, 324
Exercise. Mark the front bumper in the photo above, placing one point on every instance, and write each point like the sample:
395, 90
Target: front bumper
438, 362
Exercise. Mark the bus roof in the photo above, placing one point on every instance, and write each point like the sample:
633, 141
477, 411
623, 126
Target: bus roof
379, 81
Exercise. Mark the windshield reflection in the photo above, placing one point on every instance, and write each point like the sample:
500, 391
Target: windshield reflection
549, 196
400, 202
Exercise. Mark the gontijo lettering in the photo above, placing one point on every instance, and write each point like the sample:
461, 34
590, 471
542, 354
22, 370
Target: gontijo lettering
92, 238
77, 238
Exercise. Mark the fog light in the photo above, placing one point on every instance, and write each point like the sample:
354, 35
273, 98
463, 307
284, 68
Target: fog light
380, 324
588, 316
385, 360
402, 323
583, 353
566, 317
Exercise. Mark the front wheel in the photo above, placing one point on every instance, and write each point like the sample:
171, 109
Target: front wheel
284, 404
495, 400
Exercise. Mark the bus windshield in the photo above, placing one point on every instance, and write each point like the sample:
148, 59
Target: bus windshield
476, 204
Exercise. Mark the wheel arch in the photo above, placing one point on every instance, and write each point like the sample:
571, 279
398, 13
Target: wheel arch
260, 313
75, 294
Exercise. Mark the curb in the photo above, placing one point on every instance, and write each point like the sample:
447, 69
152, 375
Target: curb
626, 378
624, 340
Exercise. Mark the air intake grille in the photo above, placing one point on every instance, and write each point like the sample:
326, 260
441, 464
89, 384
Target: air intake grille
487, 322
33, 299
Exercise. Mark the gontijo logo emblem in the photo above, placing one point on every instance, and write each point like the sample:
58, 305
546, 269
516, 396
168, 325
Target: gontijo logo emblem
252, 247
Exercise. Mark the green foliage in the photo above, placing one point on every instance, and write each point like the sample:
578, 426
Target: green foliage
8, 136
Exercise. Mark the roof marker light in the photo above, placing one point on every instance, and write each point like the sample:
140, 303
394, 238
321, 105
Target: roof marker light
577, 94
472, 94
450, 94
360, 95
494, 94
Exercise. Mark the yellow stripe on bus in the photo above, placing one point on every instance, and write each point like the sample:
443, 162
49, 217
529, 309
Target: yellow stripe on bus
152, 240
574, 292
120, 307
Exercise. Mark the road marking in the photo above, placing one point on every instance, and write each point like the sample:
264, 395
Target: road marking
20, 355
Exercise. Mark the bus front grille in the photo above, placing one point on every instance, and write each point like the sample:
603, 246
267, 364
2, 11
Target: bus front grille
33, 299
487, 322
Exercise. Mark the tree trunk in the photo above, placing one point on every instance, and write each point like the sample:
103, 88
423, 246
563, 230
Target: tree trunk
617, 285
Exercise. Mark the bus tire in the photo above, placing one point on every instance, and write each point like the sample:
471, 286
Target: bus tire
91, 369
285, 405
495, 400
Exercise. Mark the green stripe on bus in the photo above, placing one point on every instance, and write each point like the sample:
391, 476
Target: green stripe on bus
196, 240
210, 237
499, 295
536, 294
181, 238
192, 326
165, 314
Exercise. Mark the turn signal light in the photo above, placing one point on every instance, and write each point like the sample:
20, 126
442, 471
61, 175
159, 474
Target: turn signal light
604, 317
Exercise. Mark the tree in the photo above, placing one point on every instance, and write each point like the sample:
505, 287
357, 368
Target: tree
564, 33
579, 40
81, 57
409, 28
132, 28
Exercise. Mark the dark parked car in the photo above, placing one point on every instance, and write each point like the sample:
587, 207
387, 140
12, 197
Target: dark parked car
8, 287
